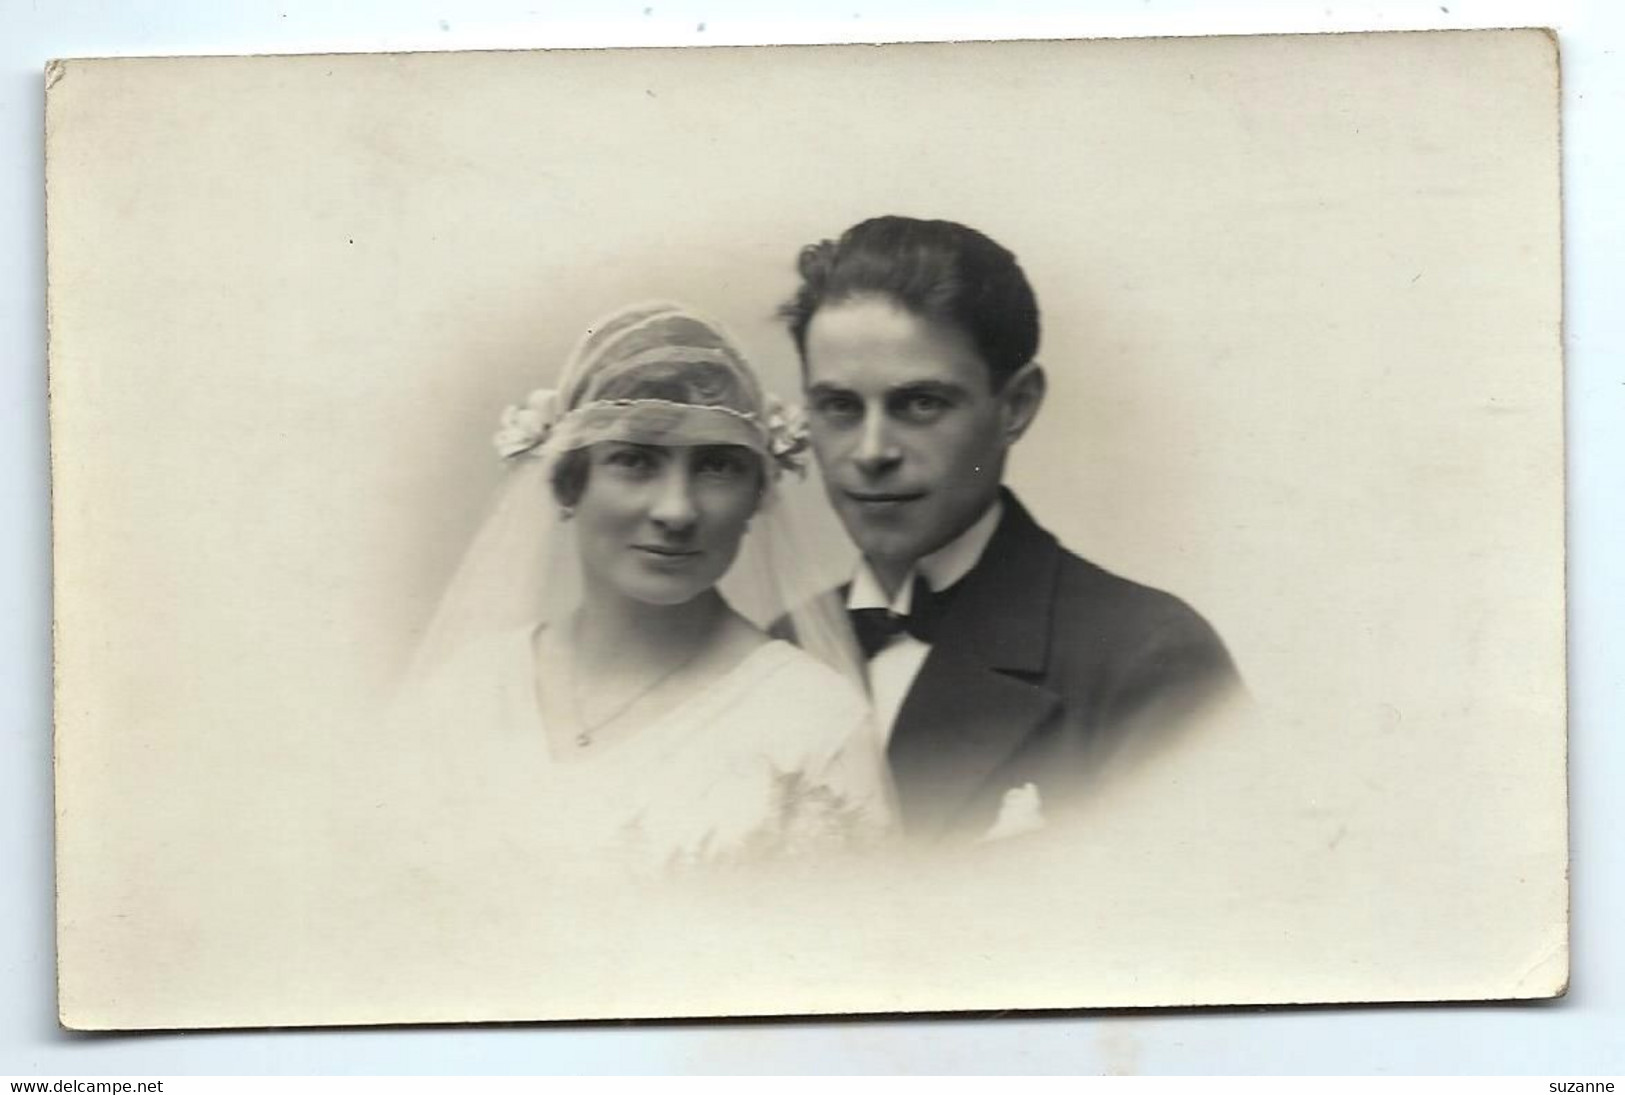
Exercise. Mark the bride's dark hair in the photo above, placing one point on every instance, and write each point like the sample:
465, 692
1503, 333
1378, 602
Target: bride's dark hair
700, 385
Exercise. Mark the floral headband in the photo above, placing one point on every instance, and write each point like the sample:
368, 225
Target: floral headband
536, 428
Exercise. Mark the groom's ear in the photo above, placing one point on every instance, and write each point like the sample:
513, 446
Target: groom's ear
1023, 394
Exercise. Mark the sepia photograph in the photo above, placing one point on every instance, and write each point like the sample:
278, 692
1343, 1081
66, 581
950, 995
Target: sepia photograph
807, 530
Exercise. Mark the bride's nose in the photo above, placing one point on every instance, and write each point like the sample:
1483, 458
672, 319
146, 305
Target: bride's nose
673, 508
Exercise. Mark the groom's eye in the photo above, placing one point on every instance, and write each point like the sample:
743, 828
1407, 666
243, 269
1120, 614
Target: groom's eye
838, 407
919, 407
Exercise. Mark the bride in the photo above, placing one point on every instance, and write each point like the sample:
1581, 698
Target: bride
586, 672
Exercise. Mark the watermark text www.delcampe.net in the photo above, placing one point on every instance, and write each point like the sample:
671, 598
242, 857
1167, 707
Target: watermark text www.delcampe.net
90, 1087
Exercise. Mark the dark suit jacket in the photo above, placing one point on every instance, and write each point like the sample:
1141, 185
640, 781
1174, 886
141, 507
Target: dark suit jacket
1041, 665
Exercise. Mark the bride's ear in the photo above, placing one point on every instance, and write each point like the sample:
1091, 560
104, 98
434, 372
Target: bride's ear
1023, 394
766, 493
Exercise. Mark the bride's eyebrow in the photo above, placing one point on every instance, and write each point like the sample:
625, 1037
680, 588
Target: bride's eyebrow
612, 447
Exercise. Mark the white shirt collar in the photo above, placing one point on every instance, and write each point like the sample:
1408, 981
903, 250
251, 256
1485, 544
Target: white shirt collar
941, 569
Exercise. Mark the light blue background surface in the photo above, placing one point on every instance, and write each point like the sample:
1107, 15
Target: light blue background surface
1583, 1035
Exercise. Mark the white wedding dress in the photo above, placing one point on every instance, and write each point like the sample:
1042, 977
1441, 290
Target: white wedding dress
776, 758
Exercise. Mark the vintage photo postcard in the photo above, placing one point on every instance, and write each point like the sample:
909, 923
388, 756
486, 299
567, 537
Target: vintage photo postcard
795, 531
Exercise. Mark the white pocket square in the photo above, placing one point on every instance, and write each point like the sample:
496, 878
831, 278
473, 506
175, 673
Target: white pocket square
1020, 811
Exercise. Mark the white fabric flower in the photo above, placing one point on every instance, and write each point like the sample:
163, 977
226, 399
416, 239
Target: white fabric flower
523, 428
786, 427
1020, 811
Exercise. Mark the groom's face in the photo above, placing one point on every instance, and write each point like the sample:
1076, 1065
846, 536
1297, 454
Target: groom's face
906, 425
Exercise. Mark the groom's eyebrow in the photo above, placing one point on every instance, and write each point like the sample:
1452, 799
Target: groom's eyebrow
940, 388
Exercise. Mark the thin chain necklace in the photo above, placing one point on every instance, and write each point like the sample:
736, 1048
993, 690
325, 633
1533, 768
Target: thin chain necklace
587, 730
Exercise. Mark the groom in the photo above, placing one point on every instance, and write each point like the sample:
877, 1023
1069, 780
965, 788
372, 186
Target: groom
1003, 668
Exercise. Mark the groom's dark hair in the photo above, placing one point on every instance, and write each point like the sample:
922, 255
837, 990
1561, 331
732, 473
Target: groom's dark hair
938, 270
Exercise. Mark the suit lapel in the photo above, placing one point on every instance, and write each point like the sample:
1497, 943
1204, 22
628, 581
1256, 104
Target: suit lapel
975, 700
959, 722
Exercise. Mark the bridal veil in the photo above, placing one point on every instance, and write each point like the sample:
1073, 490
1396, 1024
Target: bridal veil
692, 387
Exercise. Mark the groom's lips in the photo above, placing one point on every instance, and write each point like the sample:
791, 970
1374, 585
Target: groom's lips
878, 501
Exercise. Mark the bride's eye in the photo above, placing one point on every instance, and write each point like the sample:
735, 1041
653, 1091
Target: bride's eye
728, 463
630, 458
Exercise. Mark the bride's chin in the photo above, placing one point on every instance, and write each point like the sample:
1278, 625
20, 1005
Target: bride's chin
669, 595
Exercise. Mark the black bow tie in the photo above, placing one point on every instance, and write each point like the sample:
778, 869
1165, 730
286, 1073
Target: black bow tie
876, 627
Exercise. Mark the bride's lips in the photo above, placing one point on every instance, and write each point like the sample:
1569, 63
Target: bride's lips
665, 554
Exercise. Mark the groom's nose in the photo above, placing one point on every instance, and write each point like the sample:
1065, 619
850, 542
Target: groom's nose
877, 451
